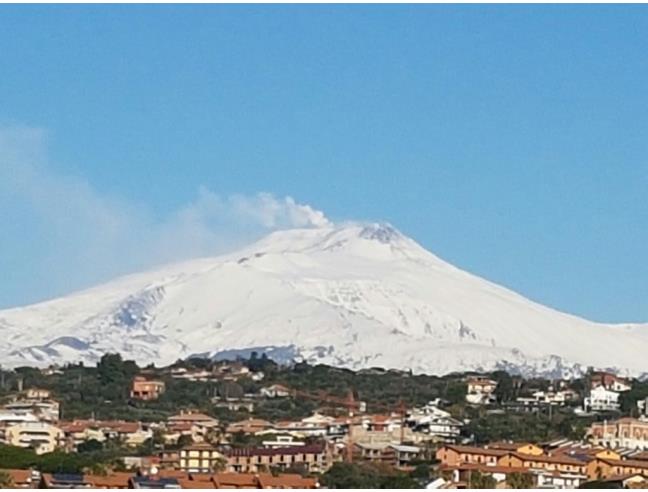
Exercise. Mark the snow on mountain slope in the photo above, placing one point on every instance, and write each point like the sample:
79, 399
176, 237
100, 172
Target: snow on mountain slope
354, 296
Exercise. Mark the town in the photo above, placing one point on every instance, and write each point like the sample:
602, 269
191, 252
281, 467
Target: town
252, 423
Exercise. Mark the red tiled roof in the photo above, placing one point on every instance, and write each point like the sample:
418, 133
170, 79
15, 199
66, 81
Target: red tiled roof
191, 484
286, 481
114, 480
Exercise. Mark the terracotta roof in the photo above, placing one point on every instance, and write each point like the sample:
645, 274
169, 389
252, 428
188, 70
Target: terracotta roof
168, 473
18, 476
191, 417
485, 467
114, 480
286, 481
235, 480
625, 476
477, 450
559, 459
509, 446
201, 477
185, 483
632, 463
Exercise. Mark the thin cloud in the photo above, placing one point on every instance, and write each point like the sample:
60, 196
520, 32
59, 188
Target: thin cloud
89, 236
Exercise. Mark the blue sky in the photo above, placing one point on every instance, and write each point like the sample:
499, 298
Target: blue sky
510, 140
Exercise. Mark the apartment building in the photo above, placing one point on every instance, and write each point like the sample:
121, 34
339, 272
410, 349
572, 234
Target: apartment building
201, 458
625, 432
601, 399
42, 437
314, 458
145, 389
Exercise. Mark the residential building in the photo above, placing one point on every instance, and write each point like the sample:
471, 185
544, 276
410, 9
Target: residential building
601, 468
481, 391
45, 410
249, 426
23, 479
314, 458
609, 381
145, 389
42, 437
601, 399
434, 422
37, 394
625, 432
275, 391
201, 458
397, 455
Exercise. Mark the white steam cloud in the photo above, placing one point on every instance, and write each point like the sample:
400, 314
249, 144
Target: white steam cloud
85, 236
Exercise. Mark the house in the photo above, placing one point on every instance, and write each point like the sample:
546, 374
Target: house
601, 399
193, 418
112, 480
37, 394
42, 437
602, 468
517, 447
64, 481
201, 458
79, 431
393, 454
286, 481
145, 389
642, 407
275, 391
282, 442
153, 482
452, 455
45, 410
193, 423
459, 476
627, 481
481, 391
609, 381
314, 458
23, 479
558, 398
434, 422
248, 426
625, 432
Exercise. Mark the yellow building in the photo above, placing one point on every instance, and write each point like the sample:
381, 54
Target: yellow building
41, 436
201, 457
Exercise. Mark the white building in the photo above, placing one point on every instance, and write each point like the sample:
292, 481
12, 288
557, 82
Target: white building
601, 400
434, 421
46, 410
481, 391
275, 391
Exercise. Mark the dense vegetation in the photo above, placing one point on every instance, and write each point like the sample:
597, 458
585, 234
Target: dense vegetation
103, 392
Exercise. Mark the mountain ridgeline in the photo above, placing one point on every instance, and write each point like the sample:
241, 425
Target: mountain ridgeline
354, 296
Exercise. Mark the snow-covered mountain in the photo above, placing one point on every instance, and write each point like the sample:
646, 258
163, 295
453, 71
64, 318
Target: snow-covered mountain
355, 296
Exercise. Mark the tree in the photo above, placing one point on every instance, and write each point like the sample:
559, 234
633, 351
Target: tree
6, 482
480, 480
350, 476
519, 480
89, 446
219, 464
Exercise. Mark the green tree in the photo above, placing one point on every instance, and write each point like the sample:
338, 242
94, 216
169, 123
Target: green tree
519, 480
6, 482
89, 446
350, 476
480, 480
